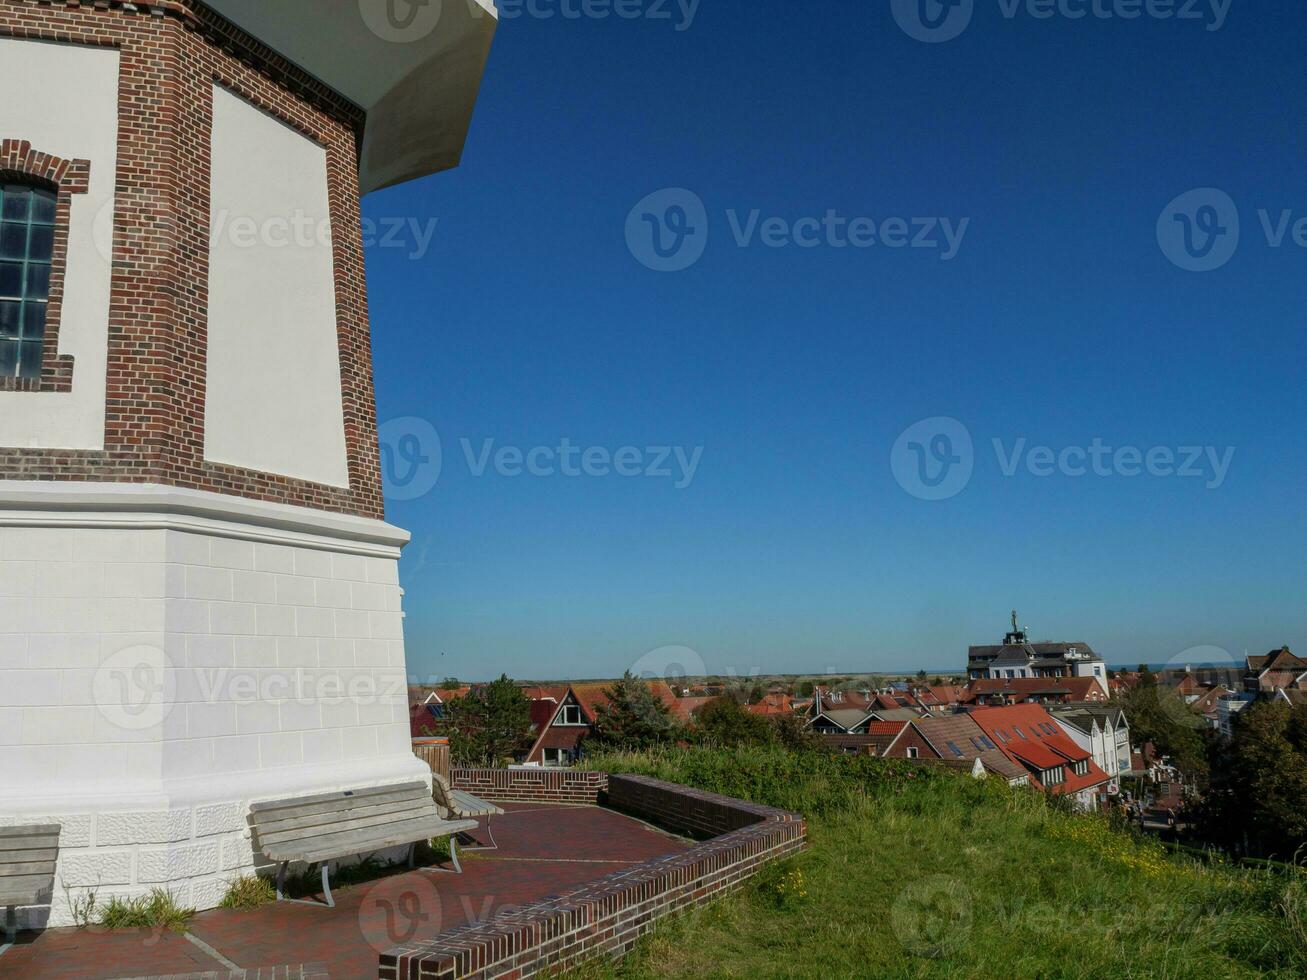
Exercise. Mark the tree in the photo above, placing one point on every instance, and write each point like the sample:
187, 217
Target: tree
633, 718
489, 725
1159, 715
450, 684
1259, 782
756, 694
806, 689
921, 676
723, 722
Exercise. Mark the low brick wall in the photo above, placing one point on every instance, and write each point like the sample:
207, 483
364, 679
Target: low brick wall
607, 916
532, 785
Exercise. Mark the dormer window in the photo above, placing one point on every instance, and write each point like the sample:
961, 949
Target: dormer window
27, 225
570, 714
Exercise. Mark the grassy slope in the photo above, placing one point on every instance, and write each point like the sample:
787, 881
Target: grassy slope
912, 874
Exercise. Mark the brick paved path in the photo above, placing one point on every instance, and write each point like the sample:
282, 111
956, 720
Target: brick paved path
542, 850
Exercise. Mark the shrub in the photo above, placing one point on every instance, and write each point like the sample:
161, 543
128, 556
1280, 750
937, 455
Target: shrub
248, 892
159, 909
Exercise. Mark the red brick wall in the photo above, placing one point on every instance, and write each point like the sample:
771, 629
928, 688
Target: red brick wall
154, 429
911, 737
532, 785
605, 917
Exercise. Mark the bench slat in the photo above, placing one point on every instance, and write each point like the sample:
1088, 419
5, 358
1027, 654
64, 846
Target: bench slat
25, 889
40, 830
299, 825
17, 845
332, 846
259, 809
7, 858
339, 805
27, 868
465, 804
374, 827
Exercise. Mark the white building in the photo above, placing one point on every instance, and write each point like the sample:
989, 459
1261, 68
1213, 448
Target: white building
1103, 732
1018, 657
199, 597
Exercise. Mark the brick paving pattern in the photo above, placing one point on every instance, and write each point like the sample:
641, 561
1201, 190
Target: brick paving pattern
544, 850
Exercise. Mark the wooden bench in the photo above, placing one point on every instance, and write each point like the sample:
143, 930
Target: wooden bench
461, 805
320, 829
27, 862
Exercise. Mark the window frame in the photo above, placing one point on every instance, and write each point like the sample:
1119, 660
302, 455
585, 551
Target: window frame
21, 164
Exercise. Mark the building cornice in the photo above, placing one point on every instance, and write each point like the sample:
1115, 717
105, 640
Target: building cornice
153, 507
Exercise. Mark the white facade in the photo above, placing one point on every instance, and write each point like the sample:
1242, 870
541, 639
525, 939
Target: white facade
168, 656
273, 400
75, 117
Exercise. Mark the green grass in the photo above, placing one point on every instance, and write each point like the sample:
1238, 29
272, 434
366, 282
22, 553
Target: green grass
249, 892
159, 909
922, 873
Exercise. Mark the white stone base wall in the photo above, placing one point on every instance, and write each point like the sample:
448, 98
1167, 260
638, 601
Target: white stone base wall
168, 657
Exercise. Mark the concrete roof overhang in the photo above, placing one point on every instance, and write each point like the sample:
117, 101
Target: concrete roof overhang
413, 66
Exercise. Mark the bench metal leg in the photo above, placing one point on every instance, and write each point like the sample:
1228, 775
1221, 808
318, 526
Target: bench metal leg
492, 846
326, 884
326, 887
453, 858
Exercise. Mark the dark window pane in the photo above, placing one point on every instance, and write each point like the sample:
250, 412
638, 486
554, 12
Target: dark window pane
33, 321
43, 206
9, 319
30, 359
13, 240
15, 203
11, 279
38, 281
8, 358
41, 246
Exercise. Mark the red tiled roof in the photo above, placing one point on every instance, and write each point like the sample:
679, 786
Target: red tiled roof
1072, 688
1039, 749
885, 727
772, 704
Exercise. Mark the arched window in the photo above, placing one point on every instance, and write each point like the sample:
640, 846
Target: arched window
27, 238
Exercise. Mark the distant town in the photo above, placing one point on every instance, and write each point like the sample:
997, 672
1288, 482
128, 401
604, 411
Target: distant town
1046, 714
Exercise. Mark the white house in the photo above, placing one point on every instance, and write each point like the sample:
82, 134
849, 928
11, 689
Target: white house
1103, 732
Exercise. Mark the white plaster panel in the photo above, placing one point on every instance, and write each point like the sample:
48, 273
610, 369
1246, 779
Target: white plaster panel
272, 302
63, 98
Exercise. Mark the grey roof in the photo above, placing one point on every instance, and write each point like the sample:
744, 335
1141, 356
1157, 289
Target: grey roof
960, 730
1084, 716
846, 718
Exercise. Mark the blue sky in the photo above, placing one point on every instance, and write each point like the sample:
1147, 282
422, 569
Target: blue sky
1059, 320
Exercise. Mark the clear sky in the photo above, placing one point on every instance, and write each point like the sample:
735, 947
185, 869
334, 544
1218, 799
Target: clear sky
1061, 317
